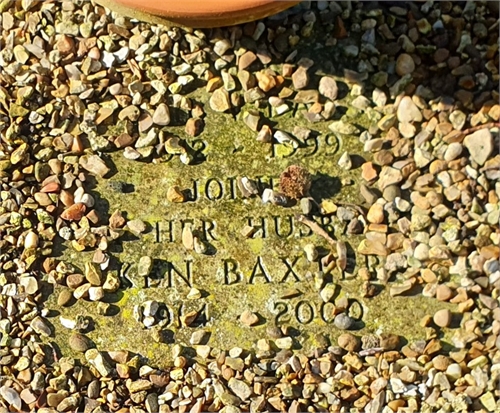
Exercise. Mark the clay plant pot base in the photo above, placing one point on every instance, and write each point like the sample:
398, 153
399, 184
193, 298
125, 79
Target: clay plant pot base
197, 13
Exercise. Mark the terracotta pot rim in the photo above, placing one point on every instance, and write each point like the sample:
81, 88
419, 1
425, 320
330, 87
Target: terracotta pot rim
198, 13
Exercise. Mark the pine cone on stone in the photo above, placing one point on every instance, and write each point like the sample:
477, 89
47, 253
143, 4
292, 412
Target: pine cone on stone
295, 182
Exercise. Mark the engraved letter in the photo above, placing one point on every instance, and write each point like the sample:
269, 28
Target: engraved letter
260, 228
259, 271
207, 228
290, 270
333, 142
304, 231
263, 184
231, 181
193, 194
282, 309
278, 223
186, 278
215, 191
231, 273
165, 231
312, 142
304, 312
185, 222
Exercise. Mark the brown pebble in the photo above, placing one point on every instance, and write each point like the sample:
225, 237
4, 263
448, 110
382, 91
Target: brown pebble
246, 59
368, 171
249, 318
428, 275
79, 342
123, 140
443, 293
364, 273
442, 318
74, 213
426, 321
64, 298
348, 342
194, 126
376, 214
405, 64
394, 405
116, 220
65, 44
74, 280
441, 362
174, 194
389, 341
66, 198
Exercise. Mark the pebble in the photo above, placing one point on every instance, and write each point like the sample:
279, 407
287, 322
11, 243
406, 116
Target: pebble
249, 318
343, 322
284, 343
328, 88
457, 119
150, 308
265, 134
328, 292
41, 326
161, 115
375, 214
31, 240
12, 398
300, 78
408, 111
400, 289
453, 151
442, 318
443, 293
311, 252
30, 285
348, 342
198, 337
79, 342
144, 266
368, 171
454, 371
246, 59
306, 205
240, 388
175, 195
93, 274
480, 145
389, 341
386, 123
345, 161
64, 298
421, 252
391, 193
94, 164
219, 101
194, 126
405, 64
136, 226
389, 176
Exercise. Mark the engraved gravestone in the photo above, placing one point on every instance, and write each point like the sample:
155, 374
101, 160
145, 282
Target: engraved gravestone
248, 264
